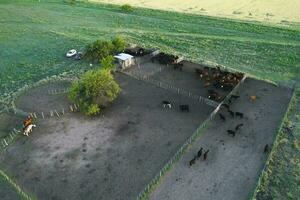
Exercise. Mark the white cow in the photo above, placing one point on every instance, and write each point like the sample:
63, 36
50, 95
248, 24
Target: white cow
28, 129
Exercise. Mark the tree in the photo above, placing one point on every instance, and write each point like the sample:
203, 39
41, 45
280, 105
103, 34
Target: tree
101, 48
127, 8
94, 91
119, 44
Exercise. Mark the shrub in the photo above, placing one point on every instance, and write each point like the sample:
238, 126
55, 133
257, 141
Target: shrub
107, 62
127, 8
119, 44
95, 90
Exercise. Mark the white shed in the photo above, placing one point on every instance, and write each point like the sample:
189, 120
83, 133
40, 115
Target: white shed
125, 60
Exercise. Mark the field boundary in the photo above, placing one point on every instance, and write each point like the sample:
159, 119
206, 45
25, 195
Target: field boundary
179, 153
19, 190
253, 194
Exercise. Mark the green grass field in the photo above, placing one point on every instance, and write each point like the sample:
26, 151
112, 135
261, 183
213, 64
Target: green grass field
34, 36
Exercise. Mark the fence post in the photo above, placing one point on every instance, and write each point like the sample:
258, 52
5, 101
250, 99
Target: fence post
43, 115
5, 142
56, 113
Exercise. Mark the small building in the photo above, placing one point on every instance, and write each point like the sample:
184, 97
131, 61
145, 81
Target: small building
125, 60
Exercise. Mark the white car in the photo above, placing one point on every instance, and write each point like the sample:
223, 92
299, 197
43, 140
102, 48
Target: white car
71, 53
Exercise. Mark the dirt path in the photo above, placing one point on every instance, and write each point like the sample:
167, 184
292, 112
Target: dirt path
234, 163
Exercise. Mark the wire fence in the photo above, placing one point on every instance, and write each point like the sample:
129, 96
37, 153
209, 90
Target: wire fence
7, 101
56, 91
150, 187
9, 139
172, 88
20, 191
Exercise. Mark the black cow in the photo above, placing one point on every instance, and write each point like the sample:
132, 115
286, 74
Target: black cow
222, 117
241, 115
193, 161
231, 113
199, 153
238, 127
266, 149
231, 132
234, 96
184, 108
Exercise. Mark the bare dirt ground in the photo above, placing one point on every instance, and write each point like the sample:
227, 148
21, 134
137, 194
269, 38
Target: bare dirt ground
8, 122
185, 79
271, 11
234, 163
43, 99
108, 157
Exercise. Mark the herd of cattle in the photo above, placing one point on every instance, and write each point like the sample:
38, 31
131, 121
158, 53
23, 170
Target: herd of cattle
218, 79
211, 77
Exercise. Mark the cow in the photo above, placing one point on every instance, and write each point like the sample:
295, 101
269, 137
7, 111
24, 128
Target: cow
231, 113
199, 153
222, 117
238, 126
205, 154
184, 108
166, 104
234, 96
27, 122
231, 132
266, 149
241, 115
28, 129
193, 161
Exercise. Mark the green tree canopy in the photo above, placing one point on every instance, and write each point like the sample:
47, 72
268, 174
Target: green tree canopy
95, 90
102, 48
127, 8
119, 44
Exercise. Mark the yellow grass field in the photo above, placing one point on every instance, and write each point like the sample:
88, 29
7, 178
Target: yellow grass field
273, 11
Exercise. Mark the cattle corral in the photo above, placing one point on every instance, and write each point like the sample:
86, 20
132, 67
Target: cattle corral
116, 155
234, 163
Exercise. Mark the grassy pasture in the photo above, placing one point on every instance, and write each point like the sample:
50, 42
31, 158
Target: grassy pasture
34, 37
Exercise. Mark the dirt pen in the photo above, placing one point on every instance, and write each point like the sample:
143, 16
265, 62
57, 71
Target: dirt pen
125, 152
109, 157
234, 163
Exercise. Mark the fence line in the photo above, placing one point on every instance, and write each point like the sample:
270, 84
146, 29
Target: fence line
8, 139
57, 91
170, 87
20, 191
150, 187
8, 100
